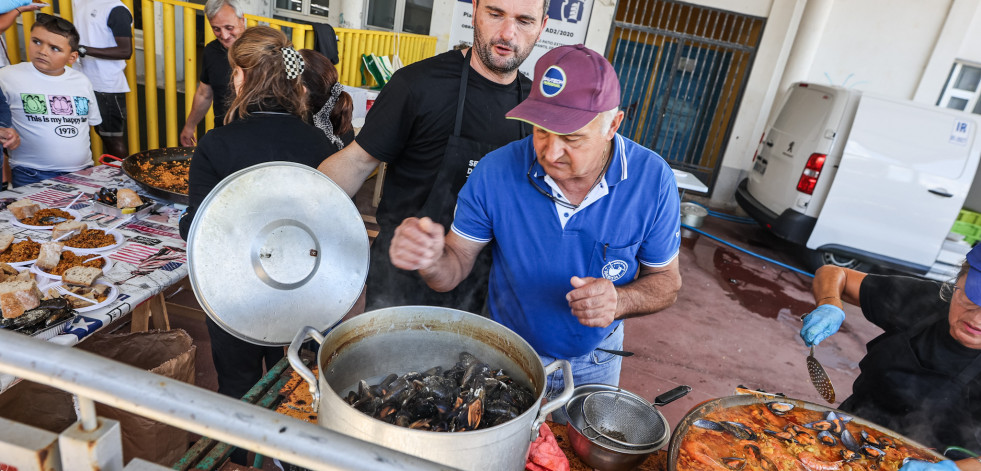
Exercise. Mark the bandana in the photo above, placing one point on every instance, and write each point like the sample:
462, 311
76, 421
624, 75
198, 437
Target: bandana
322, 118
293, 62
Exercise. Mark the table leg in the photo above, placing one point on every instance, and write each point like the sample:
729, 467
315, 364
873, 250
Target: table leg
155, 308
141, 318
158, 312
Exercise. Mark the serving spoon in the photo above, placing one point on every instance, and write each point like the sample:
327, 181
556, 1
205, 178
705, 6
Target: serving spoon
820, 379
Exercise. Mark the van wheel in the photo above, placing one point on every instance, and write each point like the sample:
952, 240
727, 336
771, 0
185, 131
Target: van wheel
815, 259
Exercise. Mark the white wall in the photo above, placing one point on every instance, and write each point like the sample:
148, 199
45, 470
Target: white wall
879, 45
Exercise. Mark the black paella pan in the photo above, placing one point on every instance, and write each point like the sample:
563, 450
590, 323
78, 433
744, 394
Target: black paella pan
132, 167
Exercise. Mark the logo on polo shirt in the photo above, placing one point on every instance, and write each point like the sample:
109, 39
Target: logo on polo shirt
615, 270
553, 81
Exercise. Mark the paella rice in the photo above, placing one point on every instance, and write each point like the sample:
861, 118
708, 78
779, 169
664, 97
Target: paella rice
170, 176
71, 259
90, 239
47, 212
21, 251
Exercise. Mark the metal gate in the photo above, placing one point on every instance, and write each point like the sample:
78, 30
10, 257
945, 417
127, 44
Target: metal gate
683, 70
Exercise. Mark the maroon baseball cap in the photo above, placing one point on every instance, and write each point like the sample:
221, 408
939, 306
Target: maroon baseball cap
573, 84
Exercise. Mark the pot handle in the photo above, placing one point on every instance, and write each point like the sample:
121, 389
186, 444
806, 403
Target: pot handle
293, 354
670, 396
103, 157
559, 401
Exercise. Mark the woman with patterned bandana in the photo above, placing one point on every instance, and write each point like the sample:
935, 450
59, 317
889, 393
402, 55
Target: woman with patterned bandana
264, 123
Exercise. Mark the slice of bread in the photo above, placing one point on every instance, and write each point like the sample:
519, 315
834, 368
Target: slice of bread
67, 227
50, 255
23, 209
7, 269
84, 276
17, 297
126, 198
6, 239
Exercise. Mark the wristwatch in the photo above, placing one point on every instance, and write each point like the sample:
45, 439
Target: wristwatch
82, 51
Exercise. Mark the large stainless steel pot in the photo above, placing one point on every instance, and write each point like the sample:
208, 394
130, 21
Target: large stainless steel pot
416, 338
749, 399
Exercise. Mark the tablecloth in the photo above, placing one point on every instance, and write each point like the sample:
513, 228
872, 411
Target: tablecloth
152, 257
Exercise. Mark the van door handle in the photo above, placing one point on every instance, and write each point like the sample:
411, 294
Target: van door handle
769, 143
940, 192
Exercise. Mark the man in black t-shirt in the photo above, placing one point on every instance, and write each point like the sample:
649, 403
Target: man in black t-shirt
228, 22
431, 141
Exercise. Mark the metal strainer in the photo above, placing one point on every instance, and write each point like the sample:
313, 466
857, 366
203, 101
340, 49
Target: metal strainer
625, 420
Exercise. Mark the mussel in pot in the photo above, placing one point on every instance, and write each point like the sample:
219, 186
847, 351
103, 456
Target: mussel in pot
467, 396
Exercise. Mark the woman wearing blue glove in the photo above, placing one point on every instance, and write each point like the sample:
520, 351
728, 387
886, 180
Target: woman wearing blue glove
922, 376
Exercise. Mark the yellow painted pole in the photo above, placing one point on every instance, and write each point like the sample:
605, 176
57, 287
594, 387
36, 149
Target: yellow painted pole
27, 19
13, 44
190, 58
65, 7
96, 142
170, 75
297, 39
209, 117
132, 98
309, 44
150, 77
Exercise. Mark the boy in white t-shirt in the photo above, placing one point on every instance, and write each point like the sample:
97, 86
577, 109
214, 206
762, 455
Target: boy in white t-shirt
52, 105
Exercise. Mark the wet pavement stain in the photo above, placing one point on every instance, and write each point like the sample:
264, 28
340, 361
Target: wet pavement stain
760, 291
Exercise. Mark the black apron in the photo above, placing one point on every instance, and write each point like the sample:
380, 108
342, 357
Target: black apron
896, 391
389, 286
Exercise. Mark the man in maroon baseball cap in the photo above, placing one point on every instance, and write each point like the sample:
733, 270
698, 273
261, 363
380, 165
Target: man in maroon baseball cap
583, 222
573, 85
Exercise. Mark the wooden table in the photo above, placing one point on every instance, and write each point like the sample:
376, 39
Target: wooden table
152, 258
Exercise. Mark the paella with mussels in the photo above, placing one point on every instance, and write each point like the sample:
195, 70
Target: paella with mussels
777, 436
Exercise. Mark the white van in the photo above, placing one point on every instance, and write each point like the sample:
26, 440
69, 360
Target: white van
861, 179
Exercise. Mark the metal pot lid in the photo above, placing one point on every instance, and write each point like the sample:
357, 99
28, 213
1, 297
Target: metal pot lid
276, 247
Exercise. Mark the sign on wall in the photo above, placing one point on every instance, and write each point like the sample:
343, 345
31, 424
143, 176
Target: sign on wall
567, 24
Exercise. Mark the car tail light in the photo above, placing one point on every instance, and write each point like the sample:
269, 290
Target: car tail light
809, 177
758, 146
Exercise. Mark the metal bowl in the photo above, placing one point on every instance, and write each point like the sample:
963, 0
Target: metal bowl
604, 456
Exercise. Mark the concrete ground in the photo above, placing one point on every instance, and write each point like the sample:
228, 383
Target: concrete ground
736, 322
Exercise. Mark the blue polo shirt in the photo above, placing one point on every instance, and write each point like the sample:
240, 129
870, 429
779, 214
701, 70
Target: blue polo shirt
630, 218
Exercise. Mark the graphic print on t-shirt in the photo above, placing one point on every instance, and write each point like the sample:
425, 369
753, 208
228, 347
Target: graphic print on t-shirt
61, 105
34, 103
82, 105
66, 111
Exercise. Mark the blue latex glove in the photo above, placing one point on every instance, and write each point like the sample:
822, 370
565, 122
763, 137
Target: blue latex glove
821, 323
918, 465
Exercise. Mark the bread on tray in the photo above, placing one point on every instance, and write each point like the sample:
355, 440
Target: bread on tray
23, 208
50, 255
6, 239
68, 227
81, 275
126, 198
17, 297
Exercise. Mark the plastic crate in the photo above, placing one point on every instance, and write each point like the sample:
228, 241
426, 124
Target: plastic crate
971, 232
969, 217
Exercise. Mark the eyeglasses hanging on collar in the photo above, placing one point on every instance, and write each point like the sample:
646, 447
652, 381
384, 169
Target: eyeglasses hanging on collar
531, 179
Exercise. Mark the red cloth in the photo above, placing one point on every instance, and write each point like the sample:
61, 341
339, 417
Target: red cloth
545, 454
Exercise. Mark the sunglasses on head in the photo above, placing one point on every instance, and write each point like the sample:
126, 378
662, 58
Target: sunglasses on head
48, 21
